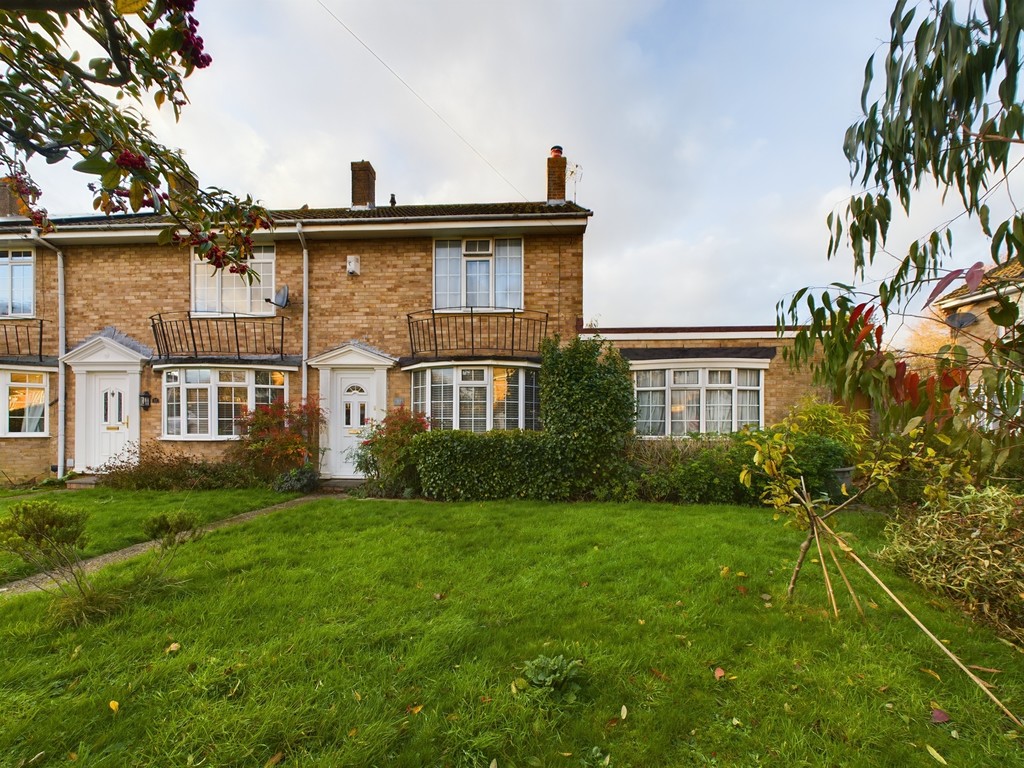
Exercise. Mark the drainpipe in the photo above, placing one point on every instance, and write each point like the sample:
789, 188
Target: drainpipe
61, 350
305, 309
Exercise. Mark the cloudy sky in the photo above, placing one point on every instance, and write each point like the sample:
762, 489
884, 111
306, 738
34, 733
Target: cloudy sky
708, 134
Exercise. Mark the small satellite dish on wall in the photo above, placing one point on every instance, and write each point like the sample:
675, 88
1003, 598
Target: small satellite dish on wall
960, 320
280, 298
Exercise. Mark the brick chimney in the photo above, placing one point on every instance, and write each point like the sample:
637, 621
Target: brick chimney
556, 177
364, 185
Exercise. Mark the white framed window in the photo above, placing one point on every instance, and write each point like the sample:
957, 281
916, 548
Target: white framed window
206, 403
23, 399
222, 292
679, 401
478, 273
17, 283
478, 398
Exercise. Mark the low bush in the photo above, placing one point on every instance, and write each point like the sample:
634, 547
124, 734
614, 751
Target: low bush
385, 457
697, 470
304, 479
972, 549
158, 467
456, 465
278, 437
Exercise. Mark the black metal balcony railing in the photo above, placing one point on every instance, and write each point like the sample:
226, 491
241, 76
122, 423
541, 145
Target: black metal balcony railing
476, 331
21, 338
182, 334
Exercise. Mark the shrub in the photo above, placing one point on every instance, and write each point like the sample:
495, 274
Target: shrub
385, 457
50, 538
161, 468
304, 479
456, 465
697, 470
170, 531
279, 437
970, 548
589, 410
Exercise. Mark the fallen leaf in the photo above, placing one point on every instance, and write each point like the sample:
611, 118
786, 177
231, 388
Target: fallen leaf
72, 756
274, 760
741, 589
612, 722
740, 575
641, 621
173, 648
353, 732
939, 716
565, 754
719, 673
985, 669
357, 696
584, 584
115, 706
736, 722
486, 699
766, 597
452, 717
659, 674
931, 672
414, 710
939, 758
494, 763
883, 689
725, 571
440, 595
624, 712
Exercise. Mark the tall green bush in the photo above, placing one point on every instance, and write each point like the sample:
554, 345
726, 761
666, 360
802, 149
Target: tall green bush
385, 456
589, 413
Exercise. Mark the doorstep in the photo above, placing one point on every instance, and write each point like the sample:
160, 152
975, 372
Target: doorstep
81, 483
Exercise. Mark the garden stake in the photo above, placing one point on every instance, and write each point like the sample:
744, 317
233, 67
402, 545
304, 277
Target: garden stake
846, 581
978, 681
824, 568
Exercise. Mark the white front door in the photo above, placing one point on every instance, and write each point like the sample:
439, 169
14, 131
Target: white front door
354, 407
109, 415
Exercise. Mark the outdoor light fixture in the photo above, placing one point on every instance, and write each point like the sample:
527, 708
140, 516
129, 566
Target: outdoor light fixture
145, 400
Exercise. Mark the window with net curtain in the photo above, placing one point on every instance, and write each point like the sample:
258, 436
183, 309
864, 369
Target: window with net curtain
678, 402
220, 291
24, 398
478, 273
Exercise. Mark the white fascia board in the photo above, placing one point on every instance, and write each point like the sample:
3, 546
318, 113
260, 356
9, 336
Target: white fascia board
699, 362
471, 364
226, 366
689, 336
974, 298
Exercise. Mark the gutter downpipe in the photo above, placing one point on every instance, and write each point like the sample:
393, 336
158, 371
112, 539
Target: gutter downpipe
61, 350
305, 309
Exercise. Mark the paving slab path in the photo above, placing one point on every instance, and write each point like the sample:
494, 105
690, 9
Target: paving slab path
38, 582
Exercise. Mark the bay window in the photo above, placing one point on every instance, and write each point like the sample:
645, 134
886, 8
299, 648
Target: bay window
220, 291
205, 403
477, 398
478, 273
17, 283
23, 398
680, 401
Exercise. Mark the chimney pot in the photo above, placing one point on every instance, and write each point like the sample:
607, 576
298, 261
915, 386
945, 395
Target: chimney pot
556, 151
364, 185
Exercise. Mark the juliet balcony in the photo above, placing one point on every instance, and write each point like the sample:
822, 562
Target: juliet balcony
184, 335
475, 331
22, 341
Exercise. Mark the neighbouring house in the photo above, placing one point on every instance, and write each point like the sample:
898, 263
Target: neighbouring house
109, 341
966, 310
704, 380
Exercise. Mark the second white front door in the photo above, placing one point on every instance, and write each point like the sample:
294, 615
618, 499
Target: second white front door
354, 407
109, 417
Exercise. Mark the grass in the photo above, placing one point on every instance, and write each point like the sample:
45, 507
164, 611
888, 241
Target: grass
116, 517
364, 633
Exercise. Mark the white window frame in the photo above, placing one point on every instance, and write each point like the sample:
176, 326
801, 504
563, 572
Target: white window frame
264, 260
423, 393
704, 366
7, 264
478, 249
6, 384
212, 387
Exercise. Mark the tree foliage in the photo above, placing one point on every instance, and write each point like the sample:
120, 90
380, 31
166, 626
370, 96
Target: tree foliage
75, 76
948, 115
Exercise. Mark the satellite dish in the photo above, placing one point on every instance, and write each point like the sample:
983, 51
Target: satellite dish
280, 298
960, 320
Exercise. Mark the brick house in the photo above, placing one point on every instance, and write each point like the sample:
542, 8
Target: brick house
966, 310
109, 341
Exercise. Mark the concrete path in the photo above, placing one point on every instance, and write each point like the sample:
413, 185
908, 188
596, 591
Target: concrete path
38, 582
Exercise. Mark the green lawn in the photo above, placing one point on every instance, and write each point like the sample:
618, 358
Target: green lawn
362, 633
116, 517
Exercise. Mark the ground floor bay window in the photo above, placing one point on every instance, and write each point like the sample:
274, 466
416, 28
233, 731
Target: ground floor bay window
478, 398
207, 403
678, 401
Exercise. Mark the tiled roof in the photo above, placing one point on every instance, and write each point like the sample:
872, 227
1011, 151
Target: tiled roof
381, 213
1012, 270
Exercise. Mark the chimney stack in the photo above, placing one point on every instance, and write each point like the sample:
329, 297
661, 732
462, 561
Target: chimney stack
11, 205
556, 177
364, 185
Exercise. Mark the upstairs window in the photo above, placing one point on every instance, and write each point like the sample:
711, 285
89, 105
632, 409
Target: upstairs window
17, 270
222, 292
679, 402
478, 273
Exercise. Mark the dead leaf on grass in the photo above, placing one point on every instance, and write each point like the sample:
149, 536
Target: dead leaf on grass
985, 669
939, 716
274, 760
938, 758
741, 589
931, 672
719, 673
414, 710
659, 674
173, 648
